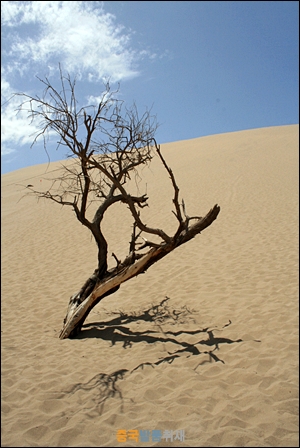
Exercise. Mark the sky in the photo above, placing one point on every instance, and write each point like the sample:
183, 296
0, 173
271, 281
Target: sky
202, 67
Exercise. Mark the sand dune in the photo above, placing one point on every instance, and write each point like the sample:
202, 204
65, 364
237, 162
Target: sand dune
205, 344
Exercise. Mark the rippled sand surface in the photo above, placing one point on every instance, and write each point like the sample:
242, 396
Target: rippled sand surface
203, 347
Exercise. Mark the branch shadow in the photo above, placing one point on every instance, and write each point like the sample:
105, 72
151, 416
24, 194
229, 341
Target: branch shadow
104, 386
117, 330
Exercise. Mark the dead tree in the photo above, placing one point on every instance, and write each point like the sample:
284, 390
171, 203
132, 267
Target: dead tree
107, 143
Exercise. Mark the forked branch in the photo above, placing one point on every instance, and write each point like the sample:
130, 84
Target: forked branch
108, 145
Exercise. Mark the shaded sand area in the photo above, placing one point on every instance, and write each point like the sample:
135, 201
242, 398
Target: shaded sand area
206, 342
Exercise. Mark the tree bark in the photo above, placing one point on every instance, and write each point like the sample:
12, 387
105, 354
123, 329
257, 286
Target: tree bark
102, 251
81, 304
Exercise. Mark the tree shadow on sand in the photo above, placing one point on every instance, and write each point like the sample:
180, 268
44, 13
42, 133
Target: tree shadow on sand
117, 330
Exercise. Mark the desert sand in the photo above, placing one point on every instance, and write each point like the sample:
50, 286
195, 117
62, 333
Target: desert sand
202, 347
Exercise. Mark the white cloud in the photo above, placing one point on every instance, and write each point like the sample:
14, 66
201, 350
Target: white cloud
38, 35
6, 150
5, 89
9, 12
16, 128
80, 35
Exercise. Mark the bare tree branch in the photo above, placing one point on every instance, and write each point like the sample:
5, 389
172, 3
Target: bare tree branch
108, 144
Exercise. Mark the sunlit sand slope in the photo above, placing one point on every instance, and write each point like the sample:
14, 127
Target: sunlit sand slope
205, 342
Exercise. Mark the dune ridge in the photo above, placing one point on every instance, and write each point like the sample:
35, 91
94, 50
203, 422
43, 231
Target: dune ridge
206, 342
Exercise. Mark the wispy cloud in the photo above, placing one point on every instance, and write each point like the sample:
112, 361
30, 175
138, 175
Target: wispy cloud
80, 35
15, 127
38, 35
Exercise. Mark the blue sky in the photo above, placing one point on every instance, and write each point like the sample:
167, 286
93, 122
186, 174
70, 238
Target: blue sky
204, 67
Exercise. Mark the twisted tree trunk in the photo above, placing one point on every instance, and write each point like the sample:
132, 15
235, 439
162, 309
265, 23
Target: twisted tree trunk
96, 289
107, 146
